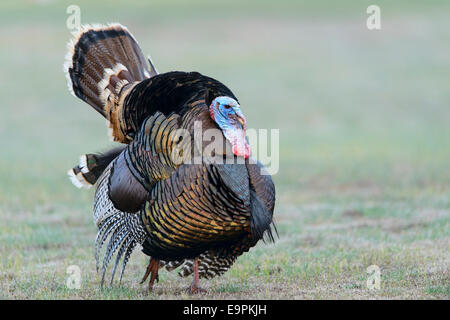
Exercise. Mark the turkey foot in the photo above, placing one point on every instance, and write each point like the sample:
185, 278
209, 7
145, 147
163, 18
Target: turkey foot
194, 288
153, 267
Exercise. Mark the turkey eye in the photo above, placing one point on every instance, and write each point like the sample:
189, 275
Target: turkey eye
227, 107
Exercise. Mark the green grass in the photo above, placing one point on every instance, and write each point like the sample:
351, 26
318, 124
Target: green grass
363, 115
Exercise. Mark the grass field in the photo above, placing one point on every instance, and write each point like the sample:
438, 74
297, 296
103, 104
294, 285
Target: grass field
364, 119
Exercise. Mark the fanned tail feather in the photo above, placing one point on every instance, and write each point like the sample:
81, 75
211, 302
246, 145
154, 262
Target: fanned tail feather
103, 64
100, 58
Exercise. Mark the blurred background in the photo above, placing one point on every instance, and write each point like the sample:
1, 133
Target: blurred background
364, 119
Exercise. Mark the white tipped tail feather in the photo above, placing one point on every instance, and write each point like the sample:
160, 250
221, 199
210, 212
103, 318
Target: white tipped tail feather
78, 180
101, 59
103, 64
83, 164
72, 46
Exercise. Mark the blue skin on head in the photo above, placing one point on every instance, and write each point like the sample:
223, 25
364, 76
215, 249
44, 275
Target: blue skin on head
227, 113
224, 112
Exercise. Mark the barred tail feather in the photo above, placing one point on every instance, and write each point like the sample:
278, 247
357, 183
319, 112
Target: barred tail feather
99, 59
210, 265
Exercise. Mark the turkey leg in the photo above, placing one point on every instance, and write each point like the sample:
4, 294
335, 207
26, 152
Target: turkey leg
194, 288
153, 267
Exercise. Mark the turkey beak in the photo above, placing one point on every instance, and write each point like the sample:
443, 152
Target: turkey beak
242, 122
241, 119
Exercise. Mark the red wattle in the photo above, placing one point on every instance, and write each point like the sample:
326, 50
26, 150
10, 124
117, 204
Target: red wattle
243, 151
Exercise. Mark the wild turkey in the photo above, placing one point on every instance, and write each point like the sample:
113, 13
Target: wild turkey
198, 216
